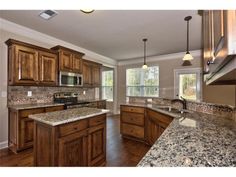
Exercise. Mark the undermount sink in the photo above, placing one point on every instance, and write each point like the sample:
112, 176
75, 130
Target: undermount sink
173, 110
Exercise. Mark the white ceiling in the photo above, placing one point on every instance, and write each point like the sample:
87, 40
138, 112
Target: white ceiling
117, 34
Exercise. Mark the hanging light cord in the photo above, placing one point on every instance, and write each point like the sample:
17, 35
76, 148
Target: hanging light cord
144, 40
188, 36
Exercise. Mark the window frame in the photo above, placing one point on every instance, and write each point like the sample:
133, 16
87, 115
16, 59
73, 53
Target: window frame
105, 86
196, 71
142, 86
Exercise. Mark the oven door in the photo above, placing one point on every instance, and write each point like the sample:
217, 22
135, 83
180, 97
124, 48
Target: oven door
70, 79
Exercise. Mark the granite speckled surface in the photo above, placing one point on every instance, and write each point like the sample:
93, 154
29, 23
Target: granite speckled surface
31, 106
66, 116
193, 139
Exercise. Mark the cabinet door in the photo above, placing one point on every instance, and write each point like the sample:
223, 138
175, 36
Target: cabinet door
152, 131
48, 68
65, 60
77, 63
73, 149
97, 145
96, 75
26, 133
26, 63
87, 74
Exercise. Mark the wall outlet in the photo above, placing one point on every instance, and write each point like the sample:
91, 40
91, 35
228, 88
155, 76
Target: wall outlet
4, 94
84, 92
29, 93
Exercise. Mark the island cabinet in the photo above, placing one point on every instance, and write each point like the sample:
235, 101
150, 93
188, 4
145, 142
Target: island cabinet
69, 60
31, 65
21, 127
156, 124
91, 74
79, 143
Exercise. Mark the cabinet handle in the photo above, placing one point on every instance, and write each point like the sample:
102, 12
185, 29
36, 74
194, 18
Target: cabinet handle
75, 128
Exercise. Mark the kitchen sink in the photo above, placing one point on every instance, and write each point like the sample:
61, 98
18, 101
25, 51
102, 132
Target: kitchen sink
173, 110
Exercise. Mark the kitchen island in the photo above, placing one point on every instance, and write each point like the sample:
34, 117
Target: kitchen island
74, 137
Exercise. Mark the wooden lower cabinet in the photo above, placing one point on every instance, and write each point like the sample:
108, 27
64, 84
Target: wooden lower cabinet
79, 143
21, 127
143, 124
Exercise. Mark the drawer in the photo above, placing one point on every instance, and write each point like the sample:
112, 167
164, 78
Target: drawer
132, 109
26, 113
133, 118
73, 127
132, 130
54, 108
97, 120
159, 117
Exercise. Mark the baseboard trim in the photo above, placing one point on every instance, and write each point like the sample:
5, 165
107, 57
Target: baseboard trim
3, 144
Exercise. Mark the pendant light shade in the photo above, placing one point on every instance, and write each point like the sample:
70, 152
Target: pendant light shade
187, 57
144, 57
87, 11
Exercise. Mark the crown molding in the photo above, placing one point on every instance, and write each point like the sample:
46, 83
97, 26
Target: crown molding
38, 36
172, 56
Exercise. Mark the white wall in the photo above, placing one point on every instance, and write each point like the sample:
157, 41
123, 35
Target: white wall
12, 30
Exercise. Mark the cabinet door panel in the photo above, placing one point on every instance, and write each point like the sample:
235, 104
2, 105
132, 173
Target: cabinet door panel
26, 65
96, 76
48, 68
97, 145
73, 149
26, 132
77, 63
66, 61
87, 74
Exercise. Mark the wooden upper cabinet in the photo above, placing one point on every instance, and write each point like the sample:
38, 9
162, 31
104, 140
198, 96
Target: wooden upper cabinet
69, 60
26, 65
48, 68
91, 74
31, 65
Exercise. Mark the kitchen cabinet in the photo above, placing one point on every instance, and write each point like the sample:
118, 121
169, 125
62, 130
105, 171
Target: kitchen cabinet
132, 123
219, 27
91, 74
156, 124
78, 143
21, 127
69, 60
142, 124
31, 65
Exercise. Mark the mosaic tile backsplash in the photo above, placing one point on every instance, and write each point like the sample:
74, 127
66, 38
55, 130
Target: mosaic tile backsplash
18, 94
208, 108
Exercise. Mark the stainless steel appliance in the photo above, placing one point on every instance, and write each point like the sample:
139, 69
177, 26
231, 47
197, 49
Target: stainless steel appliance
70, 79
70, 100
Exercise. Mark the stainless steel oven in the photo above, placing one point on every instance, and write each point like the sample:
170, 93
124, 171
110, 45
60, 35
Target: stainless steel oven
70, 79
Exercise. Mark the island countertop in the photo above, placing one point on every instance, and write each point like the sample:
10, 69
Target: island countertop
193, 139
66, 116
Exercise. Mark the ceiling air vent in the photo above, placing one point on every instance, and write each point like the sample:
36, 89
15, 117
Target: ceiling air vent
48, 14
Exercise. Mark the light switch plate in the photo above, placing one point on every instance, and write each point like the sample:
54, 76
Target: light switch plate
84, 92
29, 93
4, 94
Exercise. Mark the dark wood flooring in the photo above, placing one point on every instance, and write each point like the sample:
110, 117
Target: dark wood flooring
120, 151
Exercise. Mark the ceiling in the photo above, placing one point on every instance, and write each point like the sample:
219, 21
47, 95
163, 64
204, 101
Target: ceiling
117, 34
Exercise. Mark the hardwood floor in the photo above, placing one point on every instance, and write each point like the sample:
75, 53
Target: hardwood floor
120, 151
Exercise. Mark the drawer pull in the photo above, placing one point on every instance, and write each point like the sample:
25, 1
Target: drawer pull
75, 128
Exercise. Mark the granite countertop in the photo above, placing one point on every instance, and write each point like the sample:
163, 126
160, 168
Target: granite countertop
41, 105
31, 106
193, 139
66, 116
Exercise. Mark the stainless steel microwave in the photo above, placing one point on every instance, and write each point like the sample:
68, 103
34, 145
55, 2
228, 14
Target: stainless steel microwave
70, 79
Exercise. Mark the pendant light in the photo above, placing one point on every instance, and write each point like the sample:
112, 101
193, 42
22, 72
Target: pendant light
187, 57
144, 57
87, 11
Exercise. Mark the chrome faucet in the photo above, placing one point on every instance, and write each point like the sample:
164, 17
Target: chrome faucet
182, 100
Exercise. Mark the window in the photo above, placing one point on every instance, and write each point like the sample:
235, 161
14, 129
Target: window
107, 85
188, 83
140, 82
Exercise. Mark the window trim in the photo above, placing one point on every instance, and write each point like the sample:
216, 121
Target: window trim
126, 90
196, 71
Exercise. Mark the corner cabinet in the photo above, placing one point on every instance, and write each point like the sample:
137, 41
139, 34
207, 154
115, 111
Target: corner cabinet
31, 65
69, 60
91, 74
21, 127
78, 143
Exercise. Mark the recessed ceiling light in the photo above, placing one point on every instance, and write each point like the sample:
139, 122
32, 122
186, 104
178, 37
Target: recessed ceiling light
48, 14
